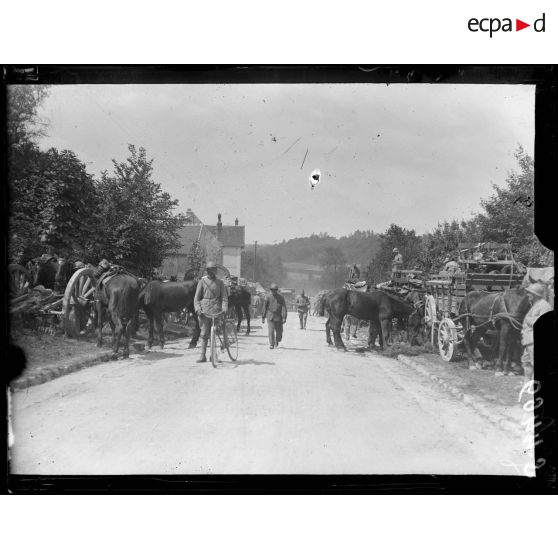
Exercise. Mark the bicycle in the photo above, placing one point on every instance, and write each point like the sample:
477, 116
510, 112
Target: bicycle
223, 331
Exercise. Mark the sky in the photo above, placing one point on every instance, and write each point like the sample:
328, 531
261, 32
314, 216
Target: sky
414, 155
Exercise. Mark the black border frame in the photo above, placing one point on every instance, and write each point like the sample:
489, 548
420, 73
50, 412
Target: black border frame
545, 77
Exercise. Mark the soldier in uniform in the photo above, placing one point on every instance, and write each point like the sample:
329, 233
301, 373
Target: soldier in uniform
539, 307
302, 305
210, 298
397, 262
275, 310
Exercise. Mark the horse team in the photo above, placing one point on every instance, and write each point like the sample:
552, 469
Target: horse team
491, 322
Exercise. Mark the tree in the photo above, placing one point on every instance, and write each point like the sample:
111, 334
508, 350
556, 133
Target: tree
136, 222
196, 257
53, 206
408, 244
22, 123
509, 215
268, 268
334, 263
438, 244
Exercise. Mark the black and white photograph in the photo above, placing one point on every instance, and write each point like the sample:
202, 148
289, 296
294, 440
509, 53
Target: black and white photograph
282, 277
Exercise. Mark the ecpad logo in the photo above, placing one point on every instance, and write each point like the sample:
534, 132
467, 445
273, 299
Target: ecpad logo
492, 25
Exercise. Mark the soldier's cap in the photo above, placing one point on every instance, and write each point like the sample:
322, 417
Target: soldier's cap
210, 265
104, 264
395, 250
46, 258
273, 287
79, 264
536, 289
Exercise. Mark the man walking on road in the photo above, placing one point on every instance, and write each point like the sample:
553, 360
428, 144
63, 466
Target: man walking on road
210, 298
302, 305
275, 310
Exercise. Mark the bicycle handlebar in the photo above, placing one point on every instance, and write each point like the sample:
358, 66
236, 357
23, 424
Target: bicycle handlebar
212, 315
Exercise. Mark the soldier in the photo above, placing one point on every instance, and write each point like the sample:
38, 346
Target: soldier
210, 298
397, 262
354, 274
540, 306
102, 267
275, 310
302, 305
450, 265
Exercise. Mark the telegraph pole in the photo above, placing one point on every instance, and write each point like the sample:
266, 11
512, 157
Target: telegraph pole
254, 271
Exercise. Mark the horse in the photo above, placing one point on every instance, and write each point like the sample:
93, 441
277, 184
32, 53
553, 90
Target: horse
46, 274
481, 311
240, 299
158, 297
377, 307
118, 296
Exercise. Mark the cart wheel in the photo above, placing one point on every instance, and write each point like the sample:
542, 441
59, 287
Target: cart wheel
20, 281
431, 319
447, 339
78, 304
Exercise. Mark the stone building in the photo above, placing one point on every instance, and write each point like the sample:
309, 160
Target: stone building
221, 243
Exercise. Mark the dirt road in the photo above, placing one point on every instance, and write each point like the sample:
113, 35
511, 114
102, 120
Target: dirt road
301, 408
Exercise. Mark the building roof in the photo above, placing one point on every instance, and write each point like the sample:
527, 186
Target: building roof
231, 235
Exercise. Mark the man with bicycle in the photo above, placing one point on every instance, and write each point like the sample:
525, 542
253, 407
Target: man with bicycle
210, 299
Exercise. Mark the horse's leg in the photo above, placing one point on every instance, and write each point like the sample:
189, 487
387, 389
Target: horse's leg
117, 325
238, 311
503, 342
129, 328
247, 312
328, 334
160, 329
336, 328
150, 319
99, 324
385, 325
470, 340
197, 331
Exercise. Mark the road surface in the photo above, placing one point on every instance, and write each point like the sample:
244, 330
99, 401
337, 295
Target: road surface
301, 408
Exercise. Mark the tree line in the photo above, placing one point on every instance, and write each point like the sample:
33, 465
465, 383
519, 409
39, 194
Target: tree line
506, 216
57, 207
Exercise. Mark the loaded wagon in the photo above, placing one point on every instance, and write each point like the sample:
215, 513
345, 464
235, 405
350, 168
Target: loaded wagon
445, 291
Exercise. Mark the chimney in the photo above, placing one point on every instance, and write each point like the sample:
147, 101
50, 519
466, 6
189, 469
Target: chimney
236, 222
219, 226
189, 217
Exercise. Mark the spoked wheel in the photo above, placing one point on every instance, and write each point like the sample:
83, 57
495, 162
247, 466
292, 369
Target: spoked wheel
431, 319
213, 340
78, 304
20, 281
447, 339
231, 340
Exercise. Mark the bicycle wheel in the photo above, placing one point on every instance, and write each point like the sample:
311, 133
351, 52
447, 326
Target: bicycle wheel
213, 346
231, 340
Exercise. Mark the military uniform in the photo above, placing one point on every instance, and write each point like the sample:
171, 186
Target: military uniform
275, 310
211, 298
302, 306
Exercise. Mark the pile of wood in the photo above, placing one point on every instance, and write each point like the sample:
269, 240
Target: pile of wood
37, 302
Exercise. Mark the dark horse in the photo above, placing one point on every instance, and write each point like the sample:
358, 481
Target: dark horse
240, 299
378, 307
117, 297
158, 297
53, 274
480, 312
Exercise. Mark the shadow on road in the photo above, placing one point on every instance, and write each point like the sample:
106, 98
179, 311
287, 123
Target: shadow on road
157, 355
253, 361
